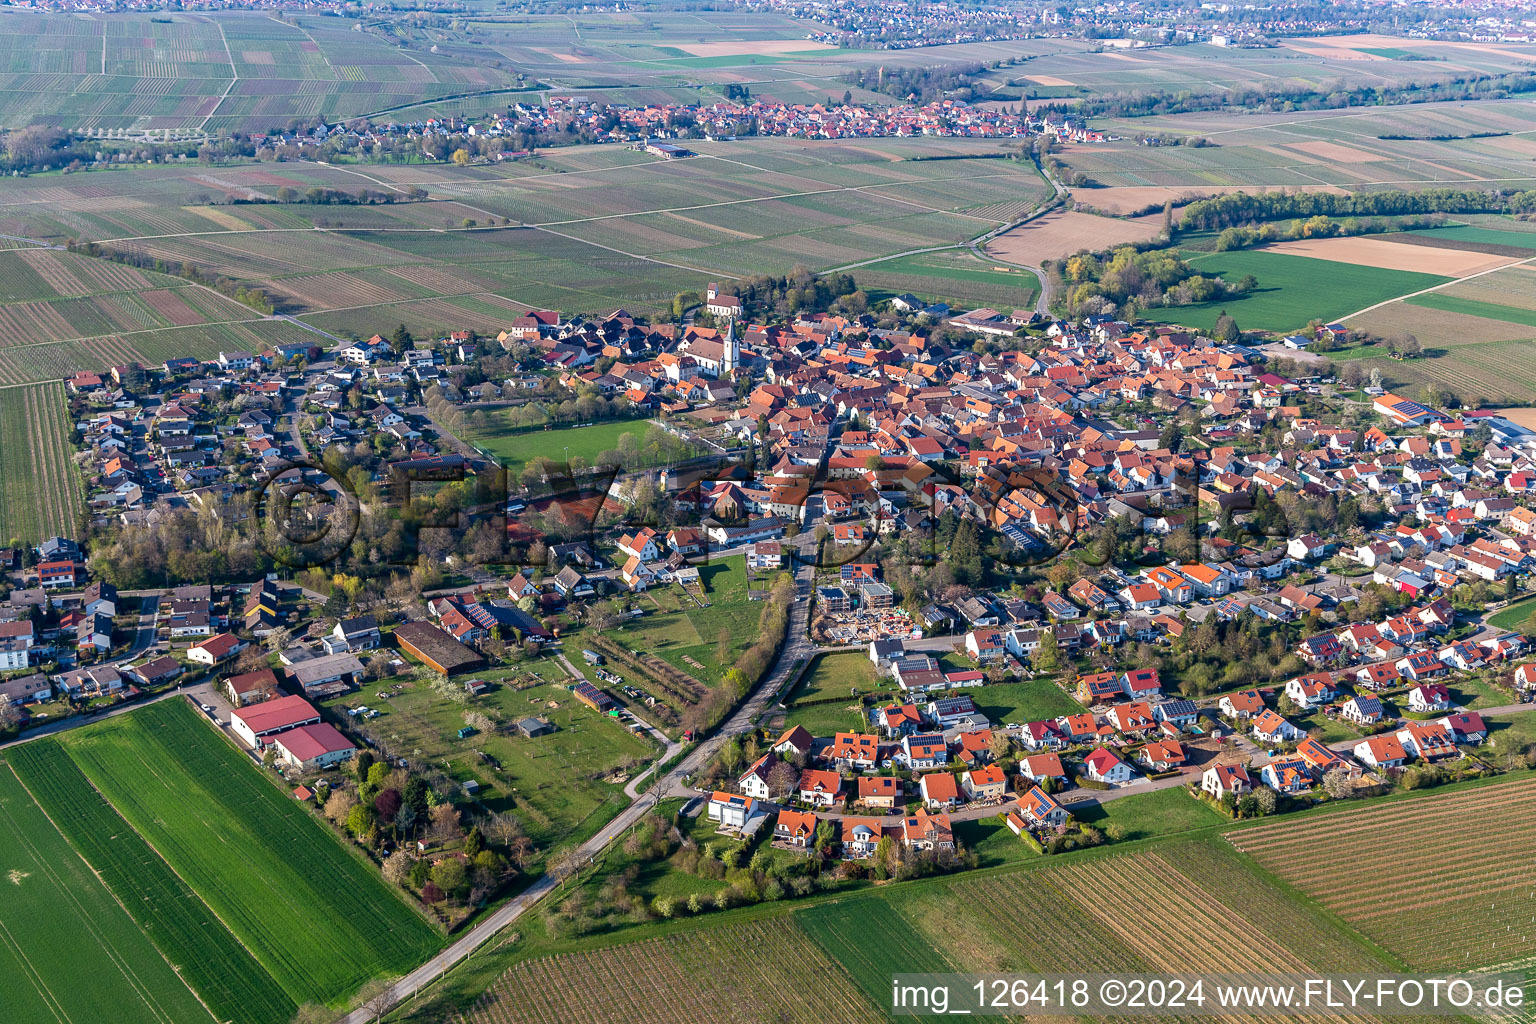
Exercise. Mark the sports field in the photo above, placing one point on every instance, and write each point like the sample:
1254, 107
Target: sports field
1292, 290
516, 450
230, 871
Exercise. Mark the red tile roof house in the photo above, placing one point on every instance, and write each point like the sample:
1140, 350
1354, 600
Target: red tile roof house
820, 788
989, 783
879, 790
1221, 779
313, 746
1381, 751
255, 723
1043, 766
795, 828
939, 791
1104, 766
924, 831
1241, 705
215, 650
1269, 727
1164, 755
1041, 809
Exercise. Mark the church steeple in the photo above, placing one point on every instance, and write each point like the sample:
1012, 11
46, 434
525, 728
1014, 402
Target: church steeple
732, 350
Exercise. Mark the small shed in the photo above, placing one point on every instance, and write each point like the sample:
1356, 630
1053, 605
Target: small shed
531, 727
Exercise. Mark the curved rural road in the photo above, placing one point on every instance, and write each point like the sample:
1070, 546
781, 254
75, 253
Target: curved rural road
978, 244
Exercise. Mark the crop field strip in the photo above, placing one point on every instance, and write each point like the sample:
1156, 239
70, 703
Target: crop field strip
40, 492
1514, 286
229, 981
314, 916
1292, 289
1448, 896
757, 972
57, 916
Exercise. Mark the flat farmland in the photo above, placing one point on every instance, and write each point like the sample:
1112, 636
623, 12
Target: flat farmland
1062, 233
1474, 308
869, 939
1458, 899
1292, 289
1088, 915
226, 978
1514, 287
1386, 254
40, 492
778, 973
316, 917
601, 228
224, 71
954, 276
1329, 149
1073, 914
57, 914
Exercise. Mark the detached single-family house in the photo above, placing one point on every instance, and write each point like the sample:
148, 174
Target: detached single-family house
819, 788
1384, 751
795, 828
1427, 697
1103, 766
1310, 691
1241, 705
1041, 810
731, 810
989, 783
1221, 779
1268, 727
1362, 710
939, 791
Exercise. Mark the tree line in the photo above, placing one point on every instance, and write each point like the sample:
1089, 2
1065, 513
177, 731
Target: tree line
1237, 208
1283, 97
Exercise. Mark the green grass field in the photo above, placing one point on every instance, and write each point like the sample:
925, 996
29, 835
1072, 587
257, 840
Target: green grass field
870, 939
316, 917
826, 719
1292, 290
1165, 812
1514, 616
1028, 701
68, 951
1482, 234
835, 675
212, 961
516, 450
